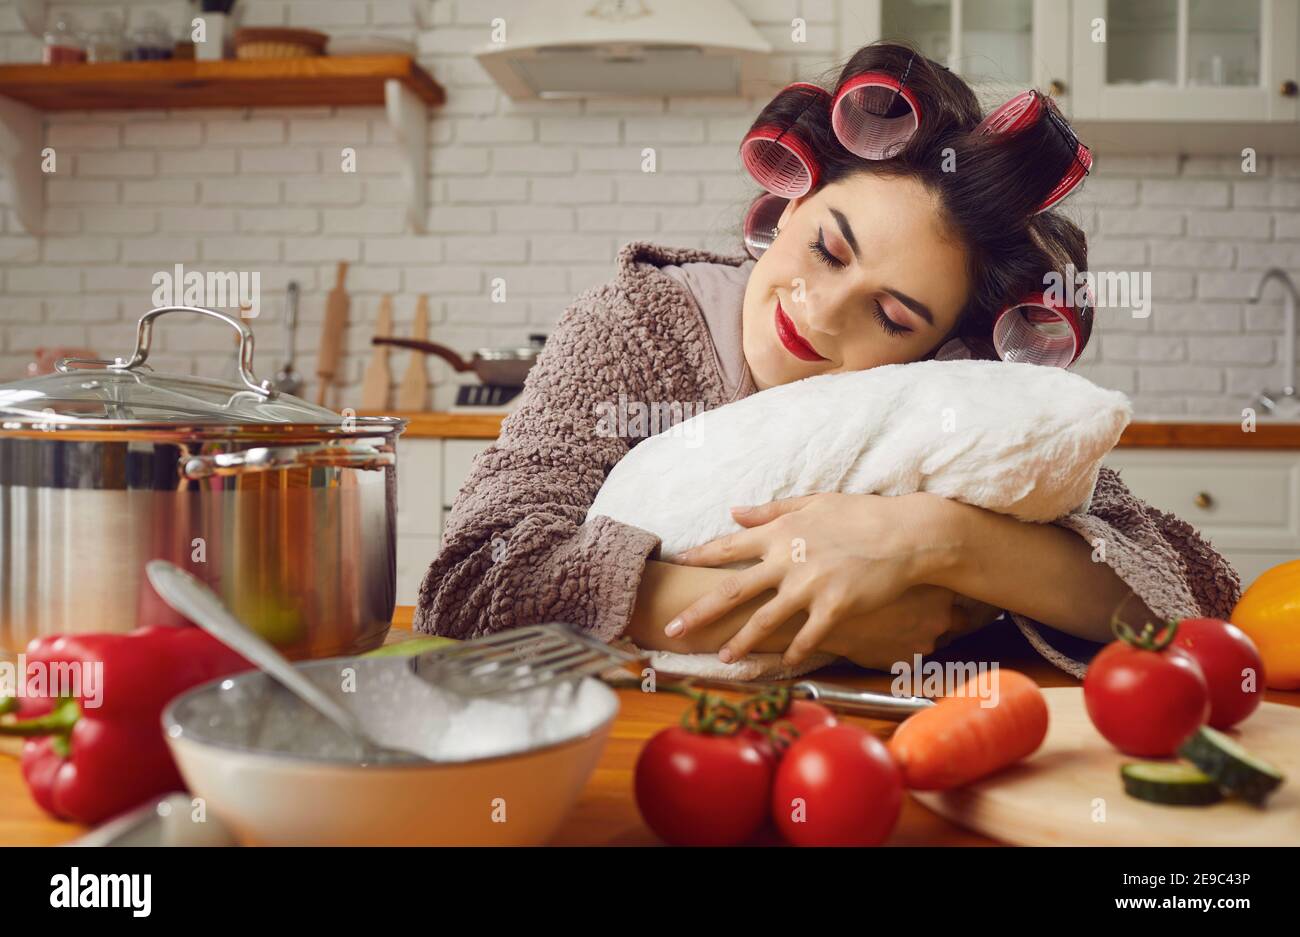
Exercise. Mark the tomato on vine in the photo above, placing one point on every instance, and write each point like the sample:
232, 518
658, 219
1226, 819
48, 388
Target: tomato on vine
1144, 694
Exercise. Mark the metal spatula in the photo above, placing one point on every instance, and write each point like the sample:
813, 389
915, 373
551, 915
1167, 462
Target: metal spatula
518, 660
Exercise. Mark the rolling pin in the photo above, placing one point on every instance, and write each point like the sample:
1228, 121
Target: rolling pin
414, 388
331, 336
374, 386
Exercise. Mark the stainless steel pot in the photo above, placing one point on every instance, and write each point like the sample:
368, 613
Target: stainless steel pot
286, 509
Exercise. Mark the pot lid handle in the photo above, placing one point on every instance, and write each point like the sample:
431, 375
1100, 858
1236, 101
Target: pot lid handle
144, 336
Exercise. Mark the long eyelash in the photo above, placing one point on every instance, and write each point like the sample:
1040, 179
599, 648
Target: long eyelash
888, 324
818, 247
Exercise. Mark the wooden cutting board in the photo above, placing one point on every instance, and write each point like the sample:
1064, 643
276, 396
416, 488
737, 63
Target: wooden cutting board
1070, 793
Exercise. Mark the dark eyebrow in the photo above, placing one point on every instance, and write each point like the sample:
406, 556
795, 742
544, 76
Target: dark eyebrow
847, 231
921, 309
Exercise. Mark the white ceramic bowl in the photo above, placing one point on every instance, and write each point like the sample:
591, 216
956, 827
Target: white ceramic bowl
277, 773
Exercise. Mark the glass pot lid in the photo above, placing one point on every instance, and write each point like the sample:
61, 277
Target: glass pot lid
129, 392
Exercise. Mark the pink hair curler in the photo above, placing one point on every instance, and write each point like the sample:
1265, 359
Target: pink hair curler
1023, 111
780, 158
760, 223
874, 115
1037, 330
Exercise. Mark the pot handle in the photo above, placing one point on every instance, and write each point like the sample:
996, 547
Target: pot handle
271, 459
144, 338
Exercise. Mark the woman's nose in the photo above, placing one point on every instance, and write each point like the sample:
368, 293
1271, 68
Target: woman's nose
824, 309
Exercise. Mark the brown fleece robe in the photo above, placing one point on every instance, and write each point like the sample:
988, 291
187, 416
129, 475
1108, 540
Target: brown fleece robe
517, 550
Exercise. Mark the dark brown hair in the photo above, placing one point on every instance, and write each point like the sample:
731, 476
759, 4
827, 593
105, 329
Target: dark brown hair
989, 186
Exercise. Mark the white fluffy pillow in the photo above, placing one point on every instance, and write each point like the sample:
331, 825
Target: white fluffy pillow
1019, 439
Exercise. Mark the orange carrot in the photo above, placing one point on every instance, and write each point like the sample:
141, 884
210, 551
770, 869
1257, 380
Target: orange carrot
961, 738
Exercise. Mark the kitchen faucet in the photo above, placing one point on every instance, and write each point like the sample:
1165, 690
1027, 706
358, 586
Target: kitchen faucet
1284, 403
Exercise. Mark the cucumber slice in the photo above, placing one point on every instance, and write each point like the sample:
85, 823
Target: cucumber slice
1174, 784
1231, 766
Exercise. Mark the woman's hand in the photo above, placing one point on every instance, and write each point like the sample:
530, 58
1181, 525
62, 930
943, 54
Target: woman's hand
837, 556
911, 624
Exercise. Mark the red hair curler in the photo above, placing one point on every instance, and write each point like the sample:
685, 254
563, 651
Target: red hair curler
760, 223
874, 115
777, 154
1037, 330
1023, 111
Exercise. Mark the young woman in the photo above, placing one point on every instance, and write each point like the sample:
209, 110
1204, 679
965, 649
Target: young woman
884, 261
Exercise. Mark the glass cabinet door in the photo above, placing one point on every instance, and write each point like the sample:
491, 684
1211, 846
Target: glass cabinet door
996, 41
925, 24
1185, 60
1000, 46
979, 39
1223, 43
1142, 42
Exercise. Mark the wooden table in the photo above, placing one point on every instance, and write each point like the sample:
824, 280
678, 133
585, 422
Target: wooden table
606, 814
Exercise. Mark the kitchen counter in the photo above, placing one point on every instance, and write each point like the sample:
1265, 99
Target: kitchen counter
1158, 434
606, 813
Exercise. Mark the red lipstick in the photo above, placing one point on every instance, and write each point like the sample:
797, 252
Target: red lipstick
792, 340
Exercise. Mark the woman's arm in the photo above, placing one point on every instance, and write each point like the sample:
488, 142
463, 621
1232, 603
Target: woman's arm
1037, 570
910, 624
860, 553
517, 548
666, 589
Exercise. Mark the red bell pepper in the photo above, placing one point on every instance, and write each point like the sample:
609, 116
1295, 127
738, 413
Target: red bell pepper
99, 752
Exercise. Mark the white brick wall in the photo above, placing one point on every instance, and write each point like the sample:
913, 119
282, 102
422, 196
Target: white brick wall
543, 194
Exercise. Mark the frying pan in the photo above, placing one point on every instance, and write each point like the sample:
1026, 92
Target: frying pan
505, 367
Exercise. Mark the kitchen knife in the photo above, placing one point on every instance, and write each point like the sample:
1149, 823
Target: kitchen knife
839, 698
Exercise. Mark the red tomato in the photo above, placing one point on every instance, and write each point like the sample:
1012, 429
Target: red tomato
703, 790
837, 786
804, 715
1228, 658
1145, 702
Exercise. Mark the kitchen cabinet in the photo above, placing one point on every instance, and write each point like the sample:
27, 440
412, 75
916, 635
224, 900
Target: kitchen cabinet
1247, 504
1000, 46
1197, 76
429, 474
1186, 60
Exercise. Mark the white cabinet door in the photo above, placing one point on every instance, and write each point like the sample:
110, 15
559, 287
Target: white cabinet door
458, 455
419, 486
419, 512
1247, 504
1185, 60
414, 554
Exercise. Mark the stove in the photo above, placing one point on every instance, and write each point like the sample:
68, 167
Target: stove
486, 397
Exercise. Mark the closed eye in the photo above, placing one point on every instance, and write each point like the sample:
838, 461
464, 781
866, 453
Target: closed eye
822, 253
886, 323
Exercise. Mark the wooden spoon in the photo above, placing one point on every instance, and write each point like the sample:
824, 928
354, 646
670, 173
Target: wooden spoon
374, 386
331, 336
414, 389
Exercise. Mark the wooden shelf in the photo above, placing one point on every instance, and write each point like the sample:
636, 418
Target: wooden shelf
323, 80
405, 90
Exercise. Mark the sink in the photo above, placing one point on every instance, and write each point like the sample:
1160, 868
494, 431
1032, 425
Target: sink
1284, 403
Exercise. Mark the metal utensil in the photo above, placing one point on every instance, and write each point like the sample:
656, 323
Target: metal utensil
506, 367
193, 599
286, 380
518, 660
839, 698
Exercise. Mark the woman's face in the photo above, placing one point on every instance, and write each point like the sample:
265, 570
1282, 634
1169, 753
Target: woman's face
862, 274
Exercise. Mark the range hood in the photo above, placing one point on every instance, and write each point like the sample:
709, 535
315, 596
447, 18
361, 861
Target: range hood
589, 48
